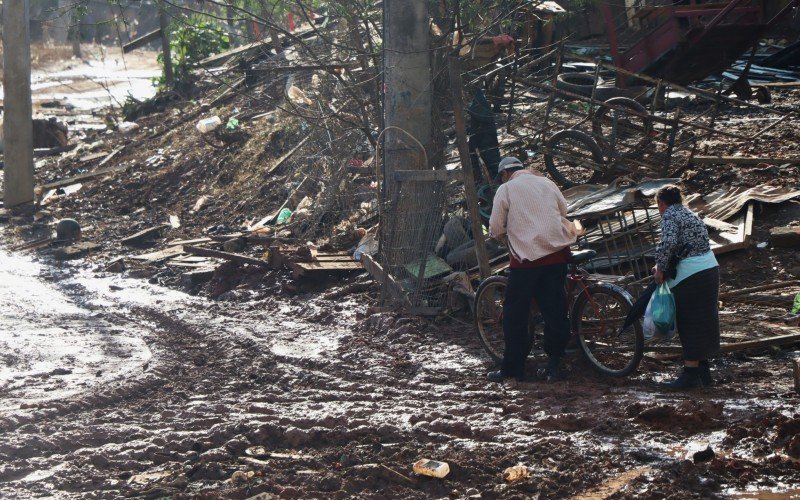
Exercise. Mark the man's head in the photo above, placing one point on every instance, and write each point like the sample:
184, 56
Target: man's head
508, 166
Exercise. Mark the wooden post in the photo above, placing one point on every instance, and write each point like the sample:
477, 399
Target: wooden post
17, 146
796, 366
163, 22
466, 165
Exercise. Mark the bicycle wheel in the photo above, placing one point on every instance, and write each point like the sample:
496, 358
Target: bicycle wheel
573, 157
597, 318
489, 317
630, 128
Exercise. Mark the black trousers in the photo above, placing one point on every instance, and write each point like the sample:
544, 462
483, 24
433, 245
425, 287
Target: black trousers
546, 285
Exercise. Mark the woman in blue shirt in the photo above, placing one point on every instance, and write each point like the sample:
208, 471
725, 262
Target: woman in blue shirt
695, 286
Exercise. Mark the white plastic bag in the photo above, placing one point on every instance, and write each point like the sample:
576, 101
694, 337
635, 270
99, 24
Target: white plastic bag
648, 327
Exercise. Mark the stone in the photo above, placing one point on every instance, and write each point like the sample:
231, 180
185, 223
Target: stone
68, 230
785, 237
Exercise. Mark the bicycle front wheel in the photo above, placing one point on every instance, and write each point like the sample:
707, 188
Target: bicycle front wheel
598, 315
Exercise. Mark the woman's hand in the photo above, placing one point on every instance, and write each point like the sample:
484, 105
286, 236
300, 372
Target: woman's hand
658, 276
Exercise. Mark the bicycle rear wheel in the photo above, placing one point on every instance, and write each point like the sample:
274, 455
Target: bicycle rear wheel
489, 317
597, 318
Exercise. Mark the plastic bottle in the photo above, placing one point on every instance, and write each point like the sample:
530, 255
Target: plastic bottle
432, 468
515, 473
207, 125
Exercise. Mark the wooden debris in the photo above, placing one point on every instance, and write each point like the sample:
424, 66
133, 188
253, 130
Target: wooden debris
141, 41
160, 255
217, 254
192, 278
82, 177
199, 204
75, 251
116, 266
761, 288
195, 241
785, 237
796, 369
390, 474
318, 269
288, 155
381, 276
144, 237
743, 160
32, 244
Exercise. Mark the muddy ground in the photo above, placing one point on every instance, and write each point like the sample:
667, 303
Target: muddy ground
127, 384
144, 391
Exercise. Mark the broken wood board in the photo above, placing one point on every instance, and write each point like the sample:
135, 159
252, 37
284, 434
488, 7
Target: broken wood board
195, 241
788, 335
141, 41
725, 242
385, 279
82, 177
309, 269
145, 236
75, 251
743, 160
160, 255
217, 254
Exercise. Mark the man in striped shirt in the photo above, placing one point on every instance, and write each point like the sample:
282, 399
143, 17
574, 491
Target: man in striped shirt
529, 217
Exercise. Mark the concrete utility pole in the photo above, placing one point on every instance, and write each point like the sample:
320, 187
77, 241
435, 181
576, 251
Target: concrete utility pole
408, 85
17, 119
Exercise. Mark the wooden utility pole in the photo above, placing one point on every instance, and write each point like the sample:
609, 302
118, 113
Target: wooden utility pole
407, 85
466, 165
17, 120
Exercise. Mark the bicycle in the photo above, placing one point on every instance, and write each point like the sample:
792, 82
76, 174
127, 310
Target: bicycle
596, 309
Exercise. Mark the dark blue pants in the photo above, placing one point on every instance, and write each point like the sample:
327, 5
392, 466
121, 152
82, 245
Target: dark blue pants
546, 285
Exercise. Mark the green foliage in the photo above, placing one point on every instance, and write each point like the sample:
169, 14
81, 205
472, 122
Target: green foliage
190, 43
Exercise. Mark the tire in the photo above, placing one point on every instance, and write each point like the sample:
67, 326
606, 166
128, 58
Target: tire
488, 309
577, 83
573, 157
597, 315
632, 130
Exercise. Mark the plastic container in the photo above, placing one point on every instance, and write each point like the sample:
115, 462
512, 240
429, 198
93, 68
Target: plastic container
207, 125
283, 216
432, 468
515, 473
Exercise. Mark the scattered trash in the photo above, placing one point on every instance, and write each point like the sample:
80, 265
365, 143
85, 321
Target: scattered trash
763, 245
432, 468
207, 125
297, 96
242, 476
232, 124
126, 128
796, 304
283, 216
515, 473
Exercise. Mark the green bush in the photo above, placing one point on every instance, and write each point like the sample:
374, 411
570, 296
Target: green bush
190, 43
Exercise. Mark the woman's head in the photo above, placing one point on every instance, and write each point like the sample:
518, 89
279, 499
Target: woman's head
667, 196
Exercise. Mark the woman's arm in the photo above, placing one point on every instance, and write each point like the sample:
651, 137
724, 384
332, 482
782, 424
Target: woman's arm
670, 239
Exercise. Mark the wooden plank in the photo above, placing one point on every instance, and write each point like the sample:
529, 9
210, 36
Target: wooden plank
466, 166
217, 254
195, 241
379, 275
75, 251
761, 288
141, 41
160, 255
145, 236
788, 338
288, 155
83, 177
306, 269
743, 160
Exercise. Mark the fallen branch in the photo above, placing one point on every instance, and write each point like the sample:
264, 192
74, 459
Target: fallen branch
771, 286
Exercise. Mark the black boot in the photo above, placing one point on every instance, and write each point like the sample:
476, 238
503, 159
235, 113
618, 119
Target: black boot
705, 373
552, 372
690, 378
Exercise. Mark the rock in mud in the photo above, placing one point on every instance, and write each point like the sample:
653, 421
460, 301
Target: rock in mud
703, 456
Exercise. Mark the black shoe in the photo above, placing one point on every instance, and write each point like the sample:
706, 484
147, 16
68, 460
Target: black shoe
551, 372
499, 376
689, 378
705, 373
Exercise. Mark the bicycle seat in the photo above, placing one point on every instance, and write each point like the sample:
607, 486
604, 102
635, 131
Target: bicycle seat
582, 256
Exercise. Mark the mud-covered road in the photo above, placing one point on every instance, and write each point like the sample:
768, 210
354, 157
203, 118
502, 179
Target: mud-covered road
112, 387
